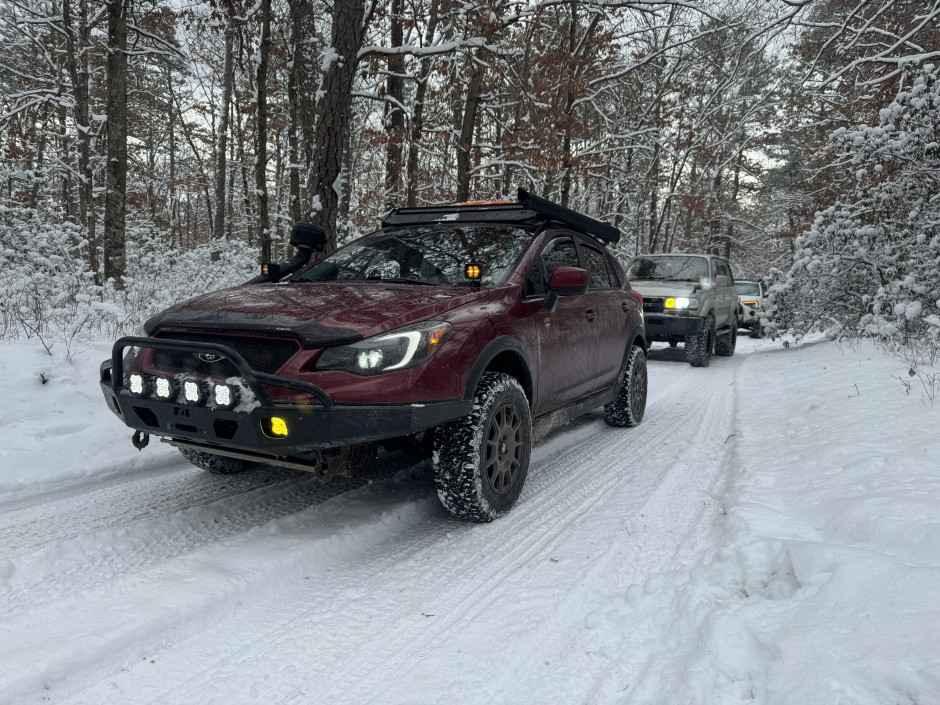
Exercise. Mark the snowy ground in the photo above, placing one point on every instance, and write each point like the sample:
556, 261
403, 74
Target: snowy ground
769, 534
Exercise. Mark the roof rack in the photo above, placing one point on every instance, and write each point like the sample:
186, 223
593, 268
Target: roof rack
529, 208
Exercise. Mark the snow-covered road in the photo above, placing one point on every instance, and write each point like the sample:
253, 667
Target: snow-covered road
157, 583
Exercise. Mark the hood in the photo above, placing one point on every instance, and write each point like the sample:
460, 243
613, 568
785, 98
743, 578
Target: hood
316, 313
666, 288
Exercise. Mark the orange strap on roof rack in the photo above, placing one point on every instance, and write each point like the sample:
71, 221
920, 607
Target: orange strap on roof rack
484, 203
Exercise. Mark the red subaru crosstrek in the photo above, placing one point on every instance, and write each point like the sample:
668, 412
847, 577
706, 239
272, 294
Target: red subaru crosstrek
471, 330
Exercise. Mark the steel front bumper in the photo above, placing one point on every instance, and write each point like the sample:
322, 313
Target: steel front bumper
317, 424
662, 327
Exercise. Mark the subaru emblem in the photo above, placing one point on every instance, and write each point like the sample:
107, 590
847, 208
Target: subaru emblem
210, 357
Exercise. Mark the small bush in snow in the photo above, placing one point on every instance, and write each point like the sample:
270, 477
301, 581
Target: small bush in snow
47, 292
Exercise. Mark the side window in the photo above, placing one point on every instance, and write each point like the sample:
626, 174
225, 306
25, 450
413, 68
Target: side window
596, 264
725, 268
612, 273
714, 270
560, 252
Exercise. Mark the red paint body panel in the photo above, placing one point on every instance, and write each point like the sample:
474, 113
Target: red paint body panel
572, 353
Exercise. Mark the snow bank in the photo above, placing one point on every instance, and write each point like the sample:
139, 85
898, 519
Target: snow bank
824, 586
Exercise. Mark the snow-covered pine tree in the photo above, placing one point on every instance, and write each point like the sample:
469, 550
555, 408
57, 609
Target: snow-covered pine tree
869, 266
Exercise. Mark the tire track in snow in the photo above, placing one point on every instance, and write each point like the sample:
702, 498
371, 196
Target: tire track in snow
133, 544
673, 500
355, 637
87, 507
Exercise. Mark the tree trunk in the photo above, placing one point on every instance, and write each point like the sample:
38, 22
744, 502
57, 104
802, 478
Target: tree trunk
307, 66
218, 228
467, 125
394, 115
175, 234
417, 116
333, 112
261, 153
294, 108
77, 42
115, 208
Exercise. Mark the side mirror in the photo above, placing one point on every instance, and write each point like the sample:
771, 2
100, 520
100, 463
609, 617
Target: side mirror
722, 280
569, 281
566, 281
307, 236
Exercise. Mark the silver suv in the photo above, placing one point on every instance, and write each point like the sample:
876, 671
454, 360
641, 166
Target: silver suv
751, 295
688, 299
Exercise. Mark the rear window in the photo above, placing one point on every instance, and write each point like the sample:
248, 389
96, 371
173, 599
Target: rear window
435, 255
747, 288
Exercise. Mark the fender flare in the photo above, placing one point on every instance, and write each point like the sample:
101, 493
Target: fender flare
501, 344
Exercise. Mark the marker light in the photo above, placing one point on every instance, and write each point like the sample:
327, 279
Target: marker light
473, 271
191, 391
163, 387
223, 395
137, 384
274, 427
435, 337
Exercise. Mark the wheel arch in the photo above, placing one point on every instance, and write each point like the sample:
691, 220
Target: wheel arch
503, 354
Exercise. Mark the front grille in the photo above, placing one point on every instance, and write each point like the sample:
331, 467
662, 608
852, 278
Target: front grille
261, 354
653, 304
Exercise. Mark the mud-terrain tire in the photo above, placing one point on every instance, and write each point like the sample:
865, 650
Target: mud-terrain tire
698, 348
216, 464
725, 344
481, 460
627, 409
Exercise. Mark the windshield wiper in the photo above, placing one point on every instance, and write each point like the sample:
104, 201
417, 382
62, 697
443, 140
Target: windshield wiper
400, 280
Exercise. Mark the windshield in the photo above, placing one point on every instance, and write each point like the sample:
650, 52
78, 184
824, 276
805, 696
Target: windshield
435, 255
668, 268
747, 288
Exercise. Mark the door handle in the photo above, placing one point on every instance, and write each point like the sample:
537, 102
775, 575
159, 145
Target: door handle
590, 314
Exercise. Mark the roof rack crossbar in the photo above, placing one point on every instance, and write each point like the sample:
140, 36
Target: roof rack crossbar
599, 229
528, 208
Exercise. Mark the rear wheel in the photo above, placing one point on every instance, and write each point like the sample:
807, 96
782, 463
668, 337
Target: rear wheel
628, 408
481, 460
216, 464
725, 344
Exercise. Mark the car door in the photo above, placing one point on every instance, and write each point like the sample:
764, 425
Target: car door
566, 352
728, 294
607, 316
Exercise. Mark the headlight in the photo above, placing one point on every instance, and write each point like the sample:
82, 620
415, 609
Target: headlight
681, 302
755, 304
388, 352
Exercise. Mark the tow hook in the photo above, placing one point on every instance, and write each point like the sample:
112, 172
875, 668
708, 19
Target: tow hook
140, 441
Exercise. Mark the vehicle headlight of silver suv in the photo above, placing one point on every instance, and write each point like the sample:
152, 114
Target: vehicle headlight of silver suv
681, 303
387, 352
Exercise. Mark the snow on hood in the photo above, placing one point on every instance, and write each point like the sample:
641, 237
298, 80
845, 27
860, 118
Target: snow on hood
318, 313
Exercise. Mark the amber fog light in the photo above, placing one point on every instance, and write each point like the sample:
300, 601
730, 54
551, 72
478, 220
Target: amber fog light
274, 427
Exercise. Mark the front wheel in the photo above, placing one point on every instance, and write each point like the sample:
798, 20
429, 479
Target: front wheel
628, 408
481, 460
698, 347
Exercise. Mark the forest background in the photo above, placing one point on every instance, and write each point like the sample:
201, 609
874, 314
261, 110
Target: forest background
152, 151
